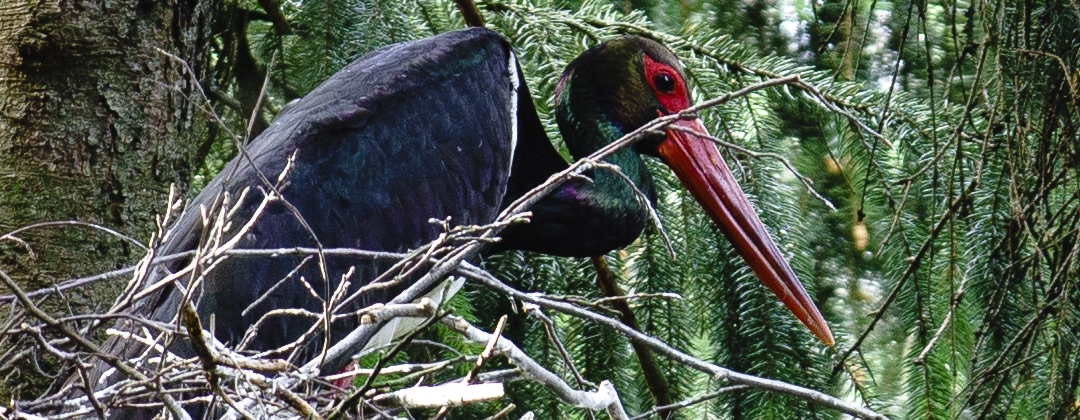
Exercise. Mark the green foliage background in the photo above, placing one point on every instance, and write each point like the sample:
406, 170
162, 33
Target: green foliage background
946, 270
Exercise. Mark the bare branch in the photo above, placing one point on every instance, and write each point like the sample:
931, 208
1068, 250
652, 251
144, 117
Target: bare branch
662, 348
452, 394
604, 398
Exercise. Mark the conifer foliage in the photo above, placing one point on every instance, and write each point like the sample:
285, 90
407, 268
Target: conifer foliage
939, 238
923, 179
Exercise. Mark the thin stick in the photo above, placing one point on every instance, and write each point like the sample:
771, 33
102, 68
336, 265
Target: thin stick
170, 403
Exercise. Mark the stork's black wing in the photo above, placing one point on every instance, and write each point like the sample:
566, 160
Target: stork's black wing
408, 133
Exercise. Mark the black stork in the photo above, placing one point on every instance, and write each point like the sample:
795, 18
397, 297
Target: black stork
440, 127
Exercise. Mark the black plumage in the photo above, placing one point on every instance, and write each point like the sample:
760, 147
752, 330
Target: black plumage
379, 150
374, 153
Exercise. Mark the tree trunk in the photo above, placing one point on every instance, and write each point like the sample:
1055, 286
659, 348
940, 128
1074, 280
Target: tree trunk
95, 124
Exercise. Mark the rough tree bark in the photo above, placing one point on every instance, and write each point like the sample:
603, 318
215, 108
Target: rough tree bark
95, 124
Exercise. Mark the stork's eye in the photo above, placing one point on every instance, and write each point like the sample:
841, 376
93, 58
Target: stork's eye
664, 82
667, 85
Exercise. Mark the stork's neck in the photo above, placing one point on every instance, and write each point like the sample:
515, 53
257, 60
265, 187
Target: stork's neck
585, 217
585, 134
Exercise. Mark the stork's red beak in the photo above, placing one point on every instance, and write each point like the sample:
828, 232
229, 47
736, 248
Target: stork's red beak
699, 166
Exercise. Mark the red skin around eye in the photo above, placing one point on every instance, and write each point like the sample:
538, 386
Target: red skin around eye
674, 101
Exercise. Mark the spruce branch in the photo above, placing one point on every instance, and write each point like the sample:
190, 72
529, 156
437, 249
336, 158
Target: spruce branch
678, 356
